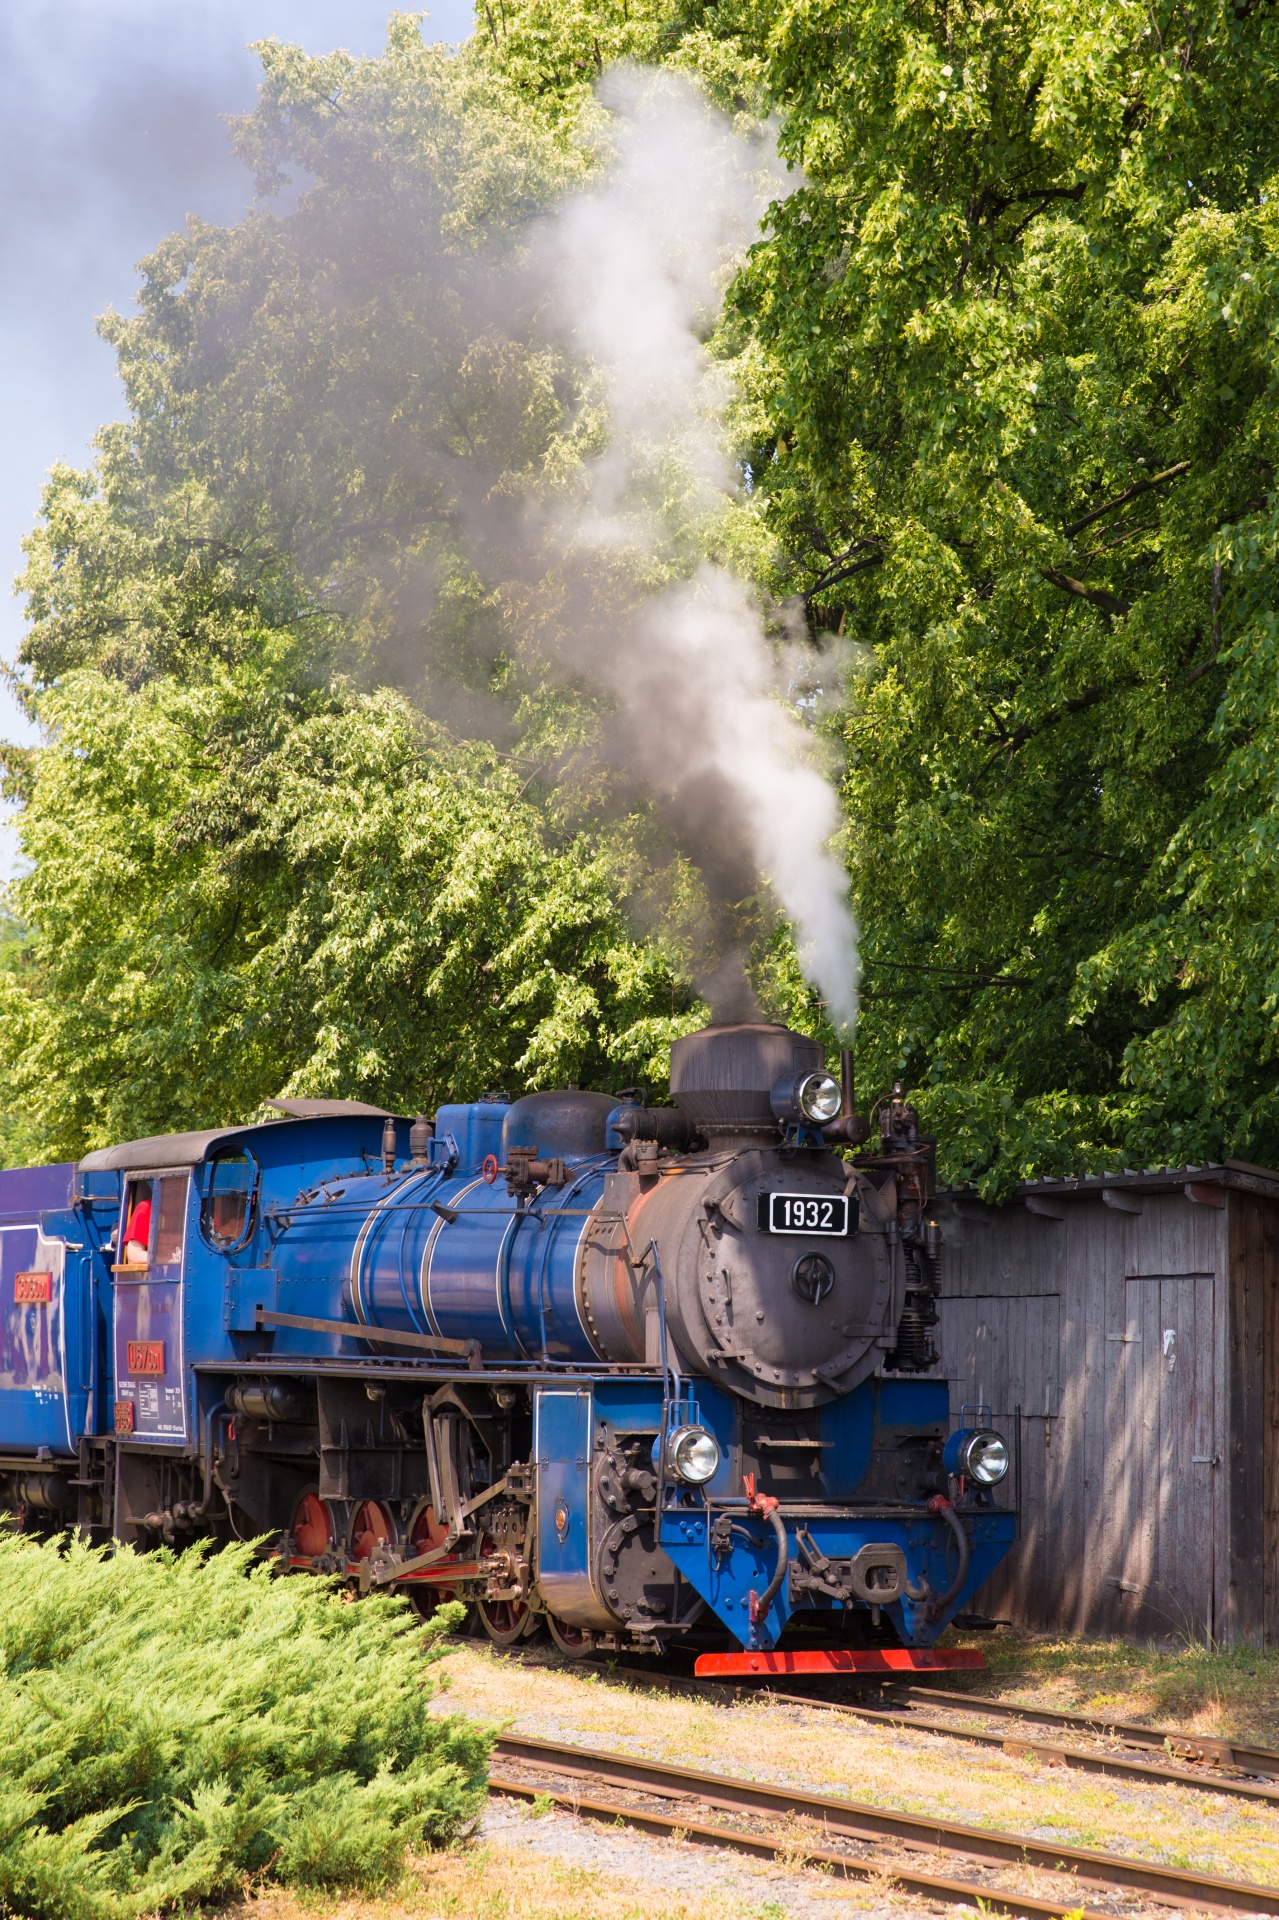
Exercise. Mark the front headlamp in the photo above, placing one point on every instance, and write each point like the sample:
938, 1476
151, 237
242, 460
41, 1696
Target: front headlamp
693, 1454
979, 1454
815, 1098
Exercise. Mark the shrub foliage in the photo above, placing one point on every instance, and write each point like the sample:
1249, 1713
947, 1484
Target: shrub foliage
174, 1724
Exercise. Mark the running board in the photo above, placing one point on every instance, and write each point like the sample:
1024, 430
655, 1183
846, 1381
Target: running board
725, 1666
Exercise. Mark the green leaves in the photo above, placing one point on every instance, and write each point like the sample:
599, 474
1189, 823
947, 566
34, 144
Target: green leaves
1005, 374
173, 1724
233, 896
1016, 339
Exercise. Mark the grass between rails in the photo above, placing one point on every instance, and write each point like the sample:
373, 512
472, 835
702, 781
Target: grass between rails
915, 1772
1228, 1691
174, 1726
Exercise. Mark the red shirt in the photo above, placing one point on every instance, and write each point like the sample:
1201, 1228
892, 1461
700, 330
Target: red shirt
139, 1224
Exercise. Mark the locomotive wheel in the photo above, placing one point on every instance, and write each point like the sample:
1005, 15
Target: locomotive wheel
371, 1528
575, 1642
424, 1533
312, 1528
505, 1621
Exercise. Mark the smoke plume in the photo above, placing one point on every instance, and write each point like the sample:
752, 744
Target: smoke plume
678, 641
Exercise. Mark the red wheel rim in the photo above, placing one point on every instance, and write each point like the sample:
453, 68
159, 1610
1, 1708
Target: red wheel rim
504, 1621
312, 1527
576, 1642
371, 1528
425, 1534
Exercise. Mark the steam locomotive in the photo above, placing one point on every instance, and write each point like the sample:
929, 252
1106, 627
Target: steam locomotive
643, 1377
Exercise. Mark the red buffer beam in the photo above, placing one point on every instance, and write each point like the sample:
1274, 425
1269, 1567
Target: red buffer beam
725, 1666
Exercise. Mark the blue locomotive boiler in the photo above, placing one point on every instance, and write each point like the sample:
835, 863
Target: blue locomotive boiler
640, 1377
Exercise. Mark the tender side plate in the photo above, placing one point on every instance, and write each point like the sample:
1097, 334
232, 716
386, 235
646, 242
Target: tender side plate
806, 1213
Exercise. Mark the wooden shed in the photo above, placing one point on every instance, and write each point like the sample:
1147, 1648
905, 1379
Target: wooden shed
1125, 1332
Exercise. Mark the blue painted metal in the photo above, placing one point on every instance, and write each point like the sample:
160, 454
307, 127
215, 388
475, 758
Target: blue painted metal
335, 1237
727, 1585
46, 1348
542, 1268
476, 1128
562, 1434
27, 1192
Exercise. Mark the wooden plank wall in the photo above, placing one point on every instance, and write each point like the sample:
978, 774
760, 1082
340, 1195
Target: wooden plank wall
1251, 1458
1120, 1533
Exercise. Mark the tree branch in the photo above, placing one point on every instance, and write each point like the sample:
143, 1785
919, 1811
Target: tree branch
843, 571
962, 974
1029, 728
1130, 493
1107, 603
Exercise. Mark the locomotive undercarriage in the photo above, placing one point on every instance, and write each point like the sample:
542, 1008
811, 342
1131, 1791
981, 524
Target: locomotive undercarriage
368, 1473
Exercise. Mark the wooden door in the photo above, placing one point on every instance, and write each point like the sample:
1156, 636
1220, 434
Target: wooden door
1170, 1464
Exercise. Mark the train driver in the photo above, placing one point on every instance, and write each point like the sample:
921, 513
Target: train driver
137, 1230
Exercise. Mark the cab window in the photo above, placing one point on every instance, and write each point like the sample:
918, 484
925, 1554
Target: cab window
228, 1199
135, 1240
154, 1220
170, 1220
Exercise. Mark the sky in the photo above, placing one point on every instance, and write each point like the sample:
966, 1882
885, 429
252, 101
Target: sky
111, 132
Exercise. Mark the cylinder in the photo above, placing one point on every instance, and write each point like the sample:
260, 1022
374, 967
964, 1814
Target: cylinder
272, 1400
508, 1277
47, 1492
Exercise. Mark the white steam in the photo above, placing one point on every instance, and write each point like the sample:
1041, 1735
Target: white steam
643, 260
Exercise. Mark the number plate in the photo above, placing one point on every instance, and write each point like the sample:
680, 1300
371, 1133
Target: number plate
146, 1356
124, 1412
806, 1213
32, 1289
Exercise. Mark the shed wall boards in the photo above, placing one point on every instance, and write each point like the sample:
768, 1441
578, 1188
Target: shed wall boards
1124, 1331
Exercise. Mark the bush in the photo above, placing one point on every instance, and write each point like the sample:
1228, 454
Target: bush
171, 1724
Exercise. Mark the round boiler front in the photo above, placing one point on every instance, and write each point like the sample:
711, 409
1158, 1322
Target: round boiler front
783, 1318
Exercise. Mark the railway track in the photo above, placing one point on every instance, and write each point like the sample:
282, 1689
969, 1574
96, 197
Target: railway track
872, 1843
1208, 1757
1192, 1746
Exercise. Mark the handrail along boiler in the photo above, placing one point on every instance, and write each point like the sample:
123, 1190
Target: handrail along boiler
644, 1375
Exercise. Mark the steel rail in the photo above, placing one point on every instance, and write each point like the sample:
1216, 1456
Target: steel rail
1230, 1753
796, 1852
1081, 1759
858, 1820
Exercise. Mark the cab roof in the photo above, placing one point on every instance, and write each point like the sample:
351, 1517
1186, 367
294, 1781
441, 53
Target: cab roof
189, 1149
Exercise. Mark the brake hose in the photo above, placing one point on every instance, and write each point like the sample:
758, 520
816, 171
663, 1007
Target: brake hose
940, 1505
766, 1508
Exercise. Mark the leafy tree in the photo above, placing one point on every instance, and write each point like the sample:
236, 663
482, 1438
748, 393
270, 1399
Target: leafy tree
1005, 398
240, 892
250, 871
1014, 416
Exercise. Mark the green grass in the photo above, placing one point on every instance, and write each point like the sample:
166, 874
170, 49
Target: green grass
173, 1727
1223, 1690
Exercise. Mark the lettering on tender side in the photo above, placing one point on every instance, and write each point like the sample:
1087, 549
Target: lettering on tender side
146, 1356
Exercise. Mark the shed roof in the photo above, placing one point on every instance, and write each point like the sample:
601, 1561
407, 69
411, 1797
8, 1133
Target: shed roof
1241, 1175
